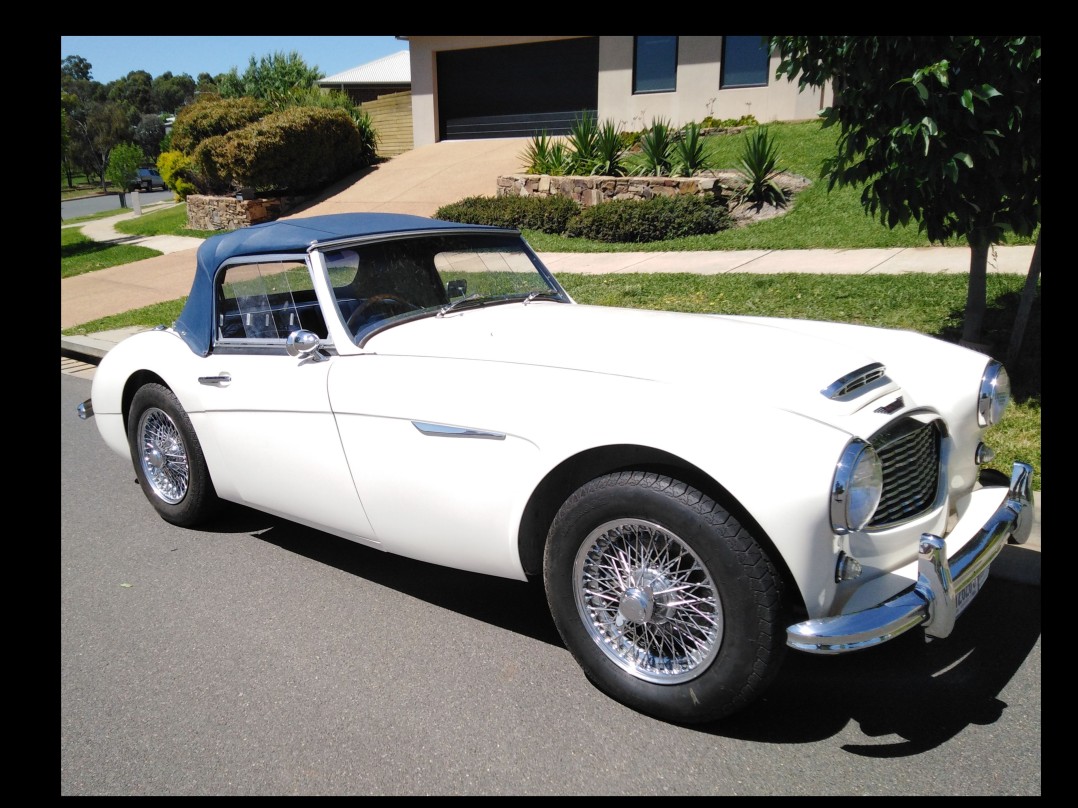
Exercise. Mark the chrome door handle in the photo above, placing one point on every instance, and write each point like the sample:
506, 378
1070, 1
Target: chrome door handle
224, 378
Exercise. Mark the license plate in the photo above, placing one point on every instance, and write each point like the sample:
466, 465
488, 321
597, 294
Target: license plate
967, 593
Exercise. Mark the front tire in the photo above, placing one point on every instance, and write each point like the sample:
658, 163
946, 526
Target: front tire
168, 458
665, 600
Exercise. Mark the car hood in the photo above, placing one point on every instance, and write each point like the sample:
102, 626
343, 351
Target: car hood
785, 362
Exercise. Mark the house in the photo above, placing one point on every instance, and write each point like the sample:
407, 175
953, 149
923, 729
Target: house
465, 87
382, 89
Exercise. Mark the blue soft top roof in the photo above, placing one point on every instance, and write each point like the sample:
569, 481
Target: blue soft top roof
195, 323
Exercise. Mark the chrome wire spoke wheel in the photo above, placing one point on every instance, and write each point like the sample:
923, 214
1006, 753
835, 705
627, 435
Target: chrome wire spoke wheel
163, 456
647, 601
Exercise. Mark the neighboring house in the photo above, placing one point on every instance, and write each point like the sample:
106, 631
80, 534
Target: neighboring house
466, 87
382, 89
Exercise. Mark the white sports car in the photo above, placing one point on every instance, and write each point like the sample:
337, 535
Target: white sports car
696, 492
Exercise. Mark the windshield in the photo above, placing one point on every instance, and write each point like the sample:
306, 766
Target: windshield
383, 283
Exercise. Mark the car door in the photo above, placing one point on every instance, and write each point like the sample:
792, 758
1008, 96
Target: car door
267, 414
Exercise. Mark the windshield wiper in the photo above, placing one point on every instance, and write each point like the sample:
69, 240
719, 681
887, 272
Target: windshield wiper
546, 294
448, 307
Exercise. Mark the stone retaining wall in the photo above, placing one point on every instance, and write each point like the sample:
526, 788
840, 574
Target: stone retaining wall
230, 213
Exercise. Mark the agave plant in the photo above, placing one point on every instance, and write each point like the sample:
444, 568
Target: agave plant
656, 145
759, 167
545, 155
583, 134
609, 151
689, 156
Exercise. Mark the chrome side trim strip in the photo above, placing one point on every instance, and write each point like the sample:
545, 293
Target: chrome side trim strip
444, 431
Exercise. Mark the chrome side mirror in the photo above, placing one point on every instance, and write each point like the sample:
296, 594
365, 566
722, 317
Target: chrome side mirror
303, 343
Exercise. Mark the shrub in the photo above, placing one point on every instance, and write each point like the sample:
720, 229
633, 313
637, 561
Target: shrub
656, 144
590, 148
545, 155
656, 219
211, 117
688, 155
547, 214
176, 170
298, 149
124, 159
758, 169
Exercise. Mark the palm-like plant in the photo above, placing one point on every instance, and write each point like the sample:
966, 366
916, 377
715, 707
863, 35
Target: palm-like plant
759, 167
656, 144
583, 134
688, 155
609, 151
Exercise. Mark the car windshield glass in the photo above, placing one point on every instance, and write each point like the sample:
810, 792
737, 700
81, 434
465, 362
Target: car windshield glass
383, 283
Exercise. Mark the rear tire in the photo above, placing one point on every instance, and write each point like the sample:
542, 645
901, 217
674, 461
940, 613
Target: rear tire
168, 458
665, 600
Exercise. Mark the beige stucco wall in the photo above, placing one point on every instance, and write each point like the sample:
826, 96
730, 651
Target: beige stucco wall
697, 96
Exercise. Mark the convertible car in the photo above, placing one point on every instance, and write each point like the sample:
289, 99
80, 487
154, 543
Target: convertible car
698, 494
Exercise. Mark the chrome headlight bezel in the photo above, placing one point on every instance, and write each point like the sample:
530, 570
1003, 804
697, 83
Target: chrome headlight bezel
857, 487
994, 394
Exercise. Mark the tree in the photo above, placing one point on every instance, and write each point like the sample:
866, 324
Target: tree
122, 169
941, 130
172, 92
270, 78
149, 133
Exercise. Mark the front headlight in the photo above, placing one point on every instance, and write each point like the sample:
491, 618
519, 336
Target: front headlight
994, 395
857, 487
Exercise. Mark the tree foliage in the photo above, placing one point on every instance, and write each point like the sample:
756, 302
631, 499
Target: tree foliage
941, 130
270, 77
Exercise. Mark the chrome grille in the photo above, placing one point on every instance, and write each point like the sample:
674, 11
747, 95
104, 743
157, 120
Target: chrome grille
910, 452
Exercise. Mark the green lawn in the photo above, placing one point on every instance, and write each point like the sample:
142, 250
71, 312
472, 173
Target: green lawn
79, 254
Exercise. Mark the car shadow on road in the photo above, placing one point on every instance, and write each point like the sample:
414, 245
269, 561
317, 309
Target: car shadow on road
912, 695
481, 597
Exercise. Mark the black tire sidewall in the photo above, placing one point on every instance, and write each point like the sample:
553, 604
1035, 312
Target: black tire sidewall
749, 594
200, 499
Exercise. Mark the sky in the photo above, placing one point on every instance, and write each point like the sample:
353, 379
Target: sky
113, 57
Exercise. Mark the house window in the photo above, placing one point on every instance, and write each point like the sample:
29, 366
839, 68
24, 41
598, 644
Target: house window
744, 61
654, 64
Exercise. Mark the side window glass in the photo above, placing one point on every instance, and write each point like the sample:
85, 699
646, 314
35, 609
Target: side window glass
267, 301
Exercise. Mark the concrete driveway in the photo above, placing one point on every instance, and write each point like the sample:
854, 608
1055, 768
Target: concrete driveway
422, 180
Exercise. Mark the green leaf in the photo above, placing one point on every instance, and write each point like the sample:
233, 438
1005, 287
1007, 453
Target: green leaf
950, 170
929, 125
967, 100
921, 90
988, 91
965, 158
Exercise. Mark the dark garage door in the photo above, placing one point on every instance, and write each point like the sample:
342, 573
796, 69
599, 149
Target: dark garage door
517, 90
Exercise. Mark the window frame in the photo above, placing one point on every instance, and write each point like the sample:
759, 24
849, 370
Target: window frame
637, 90
724, 84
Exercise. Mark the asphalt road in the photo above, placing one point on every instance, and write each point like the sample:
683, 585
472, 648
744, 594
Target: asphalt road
257, 657
86, 206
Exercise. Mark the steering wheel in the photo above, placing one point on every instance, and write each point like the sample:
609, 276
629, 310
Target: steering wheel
392, 303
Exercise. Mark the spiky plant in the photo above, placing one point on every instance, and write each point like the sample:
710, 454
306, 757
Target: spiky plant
759, 166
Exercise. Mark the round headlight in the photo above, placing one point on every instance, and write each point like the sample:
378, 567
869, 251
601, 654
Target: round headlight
857, 487
994, 395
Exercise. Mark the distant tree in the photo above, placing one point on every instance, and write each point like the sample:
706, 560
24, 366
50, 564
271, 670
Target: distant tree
75, 67
270, 77
134, 94
103, 127
172, 92
123, 162
941, 130
149, 133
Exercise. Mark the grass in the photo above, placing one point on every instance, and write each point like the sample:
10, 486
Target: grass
79, 254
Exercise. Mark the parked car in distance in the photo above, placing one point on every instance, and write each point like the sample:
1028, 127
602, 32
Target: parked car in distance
698, 494
146, 179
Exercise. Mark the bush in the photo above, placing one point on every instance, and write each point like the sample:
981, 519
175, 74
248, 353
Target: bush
175, 169
547, 214
656, 219
299, 149
197, 122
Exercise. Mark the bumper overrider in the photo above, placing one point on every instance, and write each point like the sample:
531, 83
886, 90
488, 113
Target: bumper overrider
943, 583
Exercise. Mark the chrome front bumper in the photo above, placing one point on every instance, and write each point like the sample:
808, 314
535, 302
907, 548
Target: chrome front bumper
934, 600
